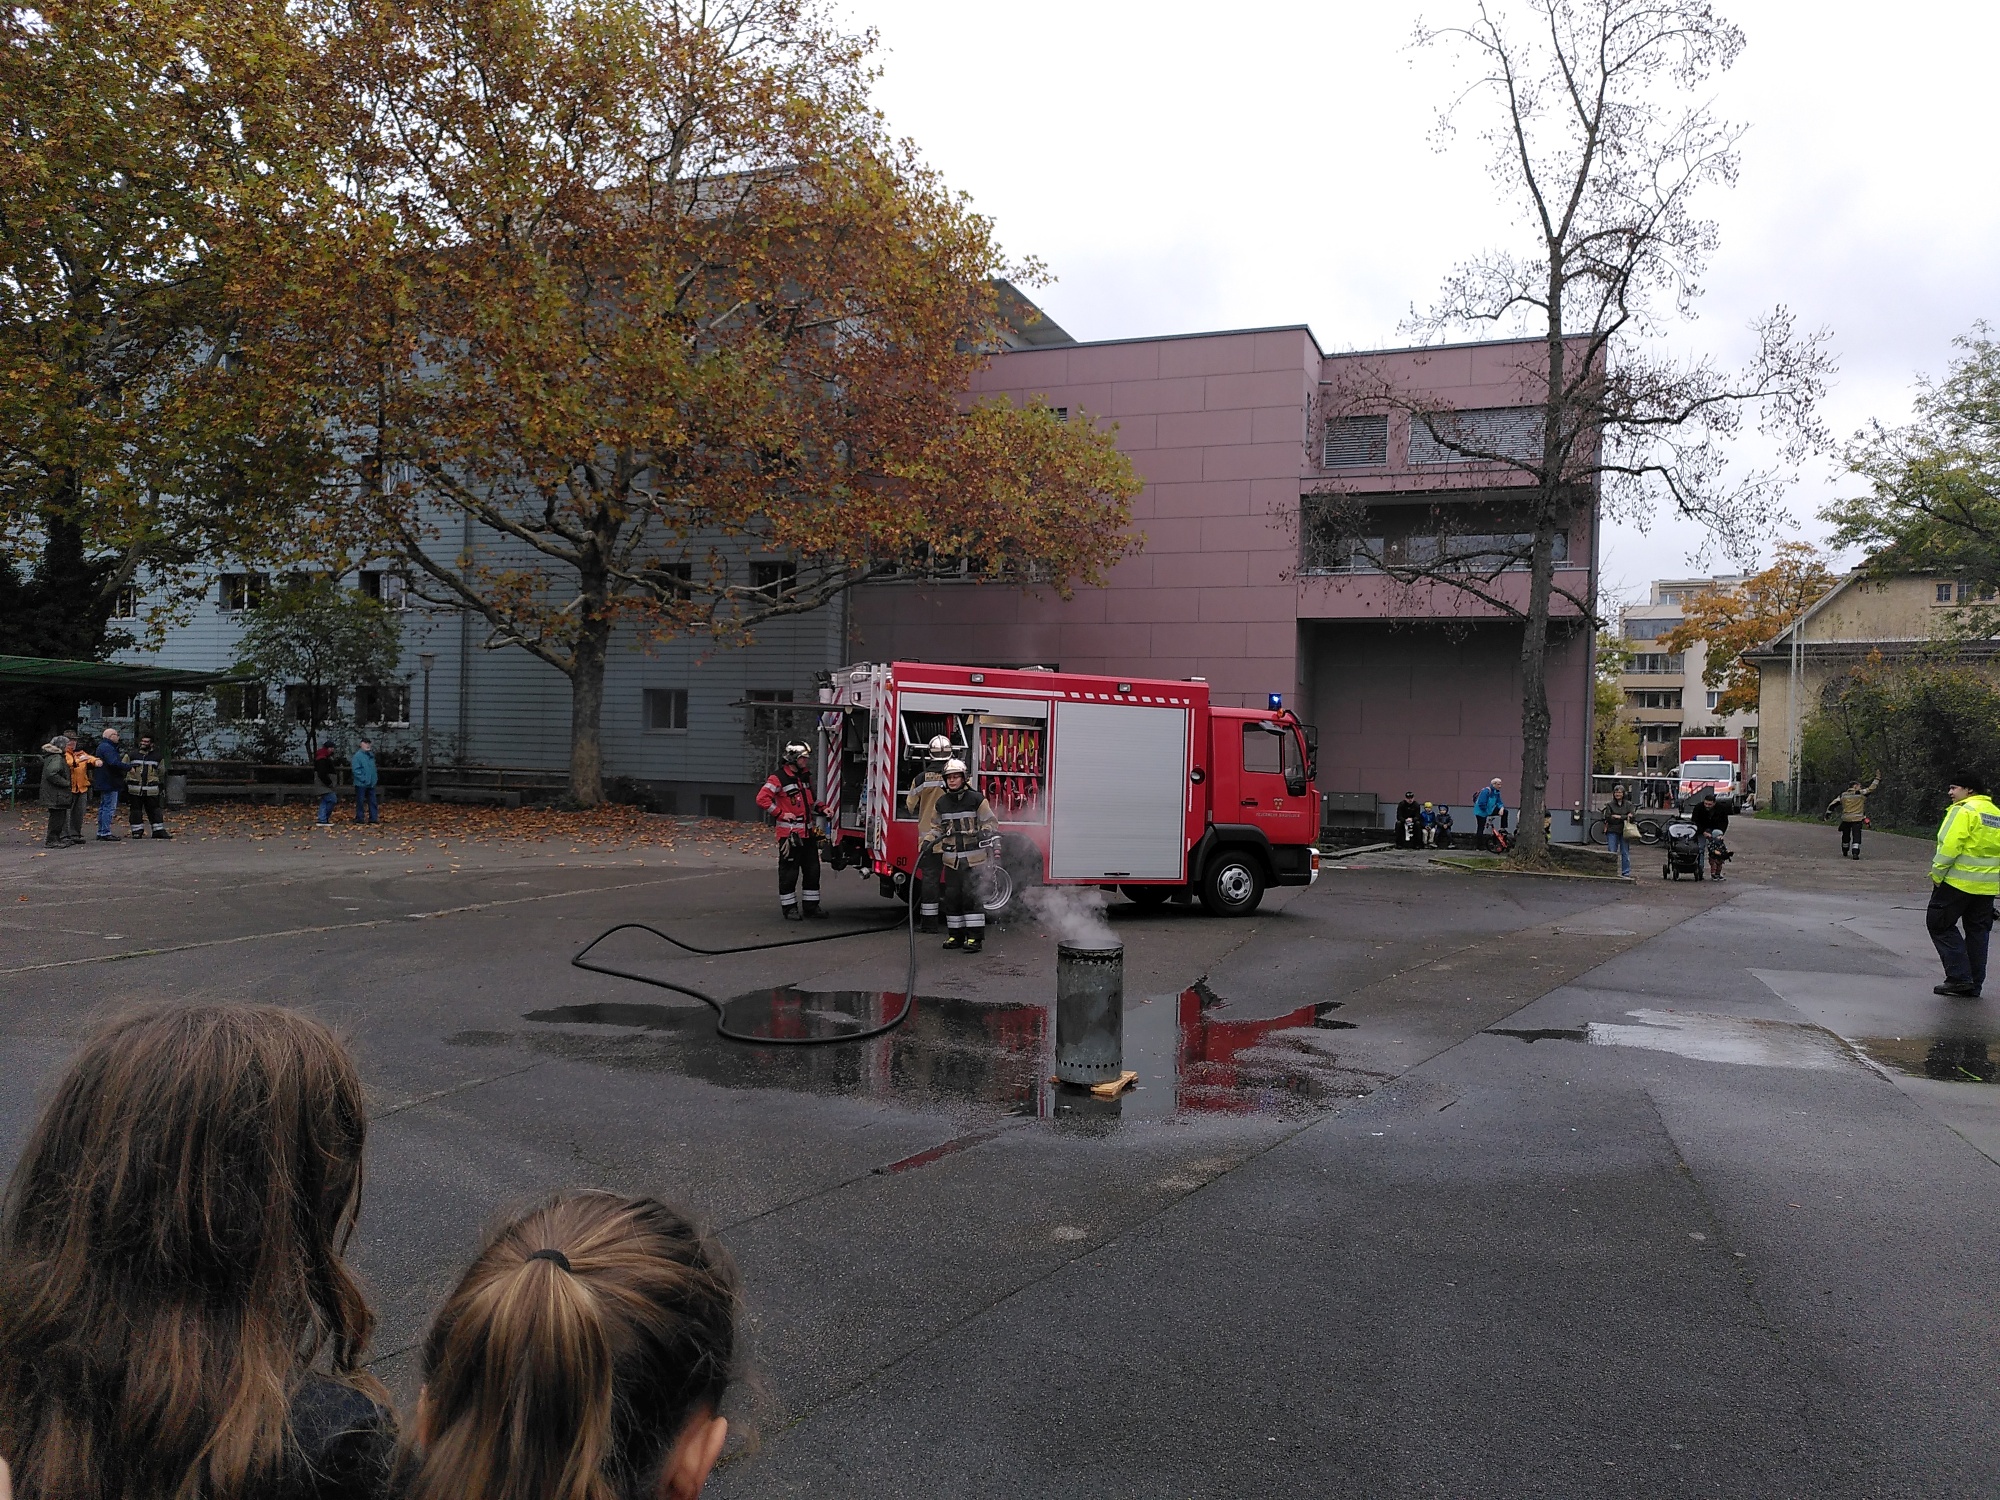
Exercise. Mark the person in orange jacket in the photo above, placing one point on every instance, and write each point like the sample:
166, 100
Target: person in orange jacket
788, 797
81, 763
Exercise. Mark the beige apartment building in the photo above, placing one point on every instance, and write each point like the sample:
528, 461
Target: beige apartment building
1665, 697
1864, 617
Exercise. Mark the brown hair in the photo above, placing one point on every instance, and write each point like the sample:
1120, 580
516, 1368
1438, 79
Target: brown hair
582, 1339
170, 1257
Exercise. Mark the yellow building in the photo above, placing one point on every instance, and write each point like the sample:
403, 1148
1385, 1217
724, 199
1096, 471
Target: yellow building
1864, 616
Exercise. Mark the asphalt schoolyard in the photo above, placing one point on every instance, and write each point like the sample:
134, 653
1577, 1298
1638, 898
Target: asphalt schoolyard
1433, 1183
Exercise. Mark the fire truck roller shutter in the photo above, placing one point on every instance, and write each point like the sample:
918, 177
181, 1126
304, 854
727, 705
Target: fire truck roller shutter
1119, 775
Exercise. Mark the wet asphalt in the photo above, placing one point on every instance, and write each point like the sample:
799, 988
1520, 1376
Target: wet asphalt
1433, 1183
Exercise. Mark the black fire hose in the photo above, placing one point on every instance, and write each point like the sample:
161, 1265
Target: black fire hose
581, 961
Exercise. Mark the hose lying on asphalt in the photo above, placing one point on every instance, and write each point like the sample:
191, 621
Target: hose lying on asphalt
581, 961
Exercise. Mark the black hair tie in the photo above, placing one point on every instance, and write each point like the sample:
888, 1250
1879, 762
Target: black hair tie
555, 1255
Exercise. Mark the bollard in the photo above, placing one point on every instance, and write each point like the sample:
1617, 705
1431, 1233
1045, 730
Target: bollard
1090, 1013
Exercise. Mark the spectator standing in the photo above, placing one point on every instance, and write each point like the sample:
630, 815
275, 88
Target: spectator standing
585, 1354
179, 1320
81, 763
1616, 835
1486, 807
1965, 877
1710, 818
145, 796
327, 776
56, 794
108, 777
1409, 821
1852, 805
367, 784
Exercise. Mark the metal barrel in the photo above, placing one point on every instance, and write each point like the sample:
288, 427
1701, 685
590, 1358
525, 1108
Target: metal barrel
1090, 1012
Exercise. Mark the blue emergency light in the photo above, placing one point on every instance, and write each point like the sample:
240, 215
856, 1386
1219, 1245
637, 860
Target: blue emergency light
1277, 701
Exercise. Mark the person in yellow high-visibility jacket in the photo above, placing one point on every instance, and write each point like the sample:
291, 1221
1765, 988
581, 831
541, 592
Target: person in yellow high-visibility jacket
1965, 877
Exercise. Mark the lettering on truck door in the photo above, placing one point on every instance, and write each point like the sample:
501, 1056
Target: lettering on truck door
1272, 790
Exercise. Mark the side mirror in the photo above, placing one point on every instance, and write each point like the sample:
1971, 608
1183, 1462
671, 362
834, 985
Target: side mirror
1295, 786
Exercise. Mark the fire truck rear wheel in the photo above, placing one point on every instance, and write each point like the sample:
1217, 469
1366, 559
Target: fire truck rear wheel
1233, 886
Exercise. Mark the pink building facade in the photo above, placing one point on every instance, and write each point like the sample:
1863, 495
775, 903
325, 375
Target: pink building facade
1237, 436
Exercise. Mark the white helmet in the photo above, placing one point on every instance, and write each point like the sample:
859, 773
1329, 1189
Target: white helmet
940, 747
954, 767
797, 750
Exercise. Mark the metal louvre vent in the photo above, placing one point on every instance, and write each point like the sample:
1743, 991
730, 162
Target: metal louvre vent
1514, 431
1356, 442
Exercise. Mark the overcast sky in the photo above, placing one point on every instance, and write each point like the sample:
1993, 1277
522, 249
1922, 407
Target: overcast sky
1184, 167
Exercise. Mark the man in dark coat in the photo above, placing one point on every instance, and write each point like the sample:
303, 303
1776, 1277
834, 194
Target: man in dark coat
108, 777
1409, 822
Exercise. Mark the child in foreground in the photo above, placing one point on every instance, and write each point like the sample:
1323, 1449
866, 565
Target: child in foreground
584, 1356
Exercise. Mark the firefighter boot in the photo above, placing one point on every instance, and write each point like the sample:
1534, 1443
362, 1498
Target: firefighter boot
929, 922
812, 909
791, 912
955, 939
974, 941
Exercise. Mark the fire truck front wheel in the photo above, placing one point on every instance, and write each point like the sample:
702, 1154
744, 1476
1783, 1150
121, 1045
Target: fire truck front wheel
1234, 884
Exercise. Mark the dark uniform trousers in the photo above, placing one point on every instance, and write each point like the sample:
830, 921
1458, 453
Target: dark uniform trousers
1963, 955
798, 856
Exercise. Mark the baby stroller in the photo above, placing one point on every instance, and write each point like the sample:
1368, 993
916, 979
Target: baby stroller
1683, 856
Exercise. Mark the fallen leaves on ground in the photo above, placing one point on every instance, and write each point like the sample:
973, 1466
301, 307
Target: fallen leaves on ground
408, 827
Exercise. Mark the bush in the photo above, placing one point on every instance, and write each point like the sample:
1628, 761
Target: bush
1917, 727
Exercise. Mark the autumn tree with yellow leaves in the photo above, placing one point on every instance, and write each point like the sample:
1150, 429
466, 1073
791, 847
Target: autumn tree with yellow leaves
630, 290
1740, 617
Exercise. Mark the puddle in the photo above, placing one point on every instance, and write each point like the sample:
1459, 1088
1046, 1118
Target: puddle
1950, 1059
1707, 1038
1192, 1058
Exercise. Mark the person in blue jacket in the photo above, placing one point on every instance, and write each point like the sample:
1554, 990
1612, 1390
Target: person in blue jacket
1488, 806
367, 784
108, 777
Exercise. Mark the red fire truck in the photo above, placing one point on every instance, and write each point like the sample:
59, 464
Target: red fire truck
1128, 784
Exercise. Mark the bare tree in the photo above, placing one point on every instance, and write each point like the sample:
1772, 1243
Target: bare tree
1598, 136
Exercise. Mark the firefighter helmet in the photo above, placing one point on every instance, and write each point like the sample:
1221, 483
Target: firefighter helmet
954, 767
940, 747
797, 750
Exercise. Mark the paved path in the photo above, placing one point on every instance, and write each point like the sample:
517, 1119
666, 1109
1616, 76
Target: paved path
1435, 1184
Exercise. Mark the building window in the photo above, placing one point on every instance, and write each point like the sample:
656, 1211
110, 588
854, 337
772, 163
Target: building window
305, 705
1513, 432
241, 702
241, 591
126, 605
1665, 663
1648, 630
383, 704
1355, 443
666, 709
1062, 413
1659, 734
1944, 592
675, 580
1656, 698
1714, 697
776, 579
762, 721
391, 590
105, 710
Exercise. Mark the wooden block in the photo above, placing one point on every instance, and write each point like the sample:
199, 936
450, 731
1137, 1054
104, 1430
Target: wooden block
1112, 1088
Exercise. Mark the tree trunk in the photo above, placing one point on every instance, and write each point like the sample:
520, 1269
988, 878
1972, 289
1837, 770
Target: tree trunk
1529, 842
586, 702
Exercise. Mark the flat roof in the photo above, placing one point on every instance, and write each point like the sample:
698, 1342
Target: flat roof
42, 671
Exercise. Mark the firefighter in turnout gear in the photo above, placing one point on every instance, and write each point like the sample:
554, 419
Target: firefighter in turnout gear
788, 797
919, 800
966, 834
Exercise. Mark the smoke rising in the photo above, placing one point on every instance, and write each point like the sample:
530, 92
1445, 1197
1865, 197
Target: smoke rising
1075, 914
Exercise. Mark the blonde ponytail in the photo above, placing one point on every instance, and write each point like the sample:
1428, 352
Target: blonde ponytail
579, 1343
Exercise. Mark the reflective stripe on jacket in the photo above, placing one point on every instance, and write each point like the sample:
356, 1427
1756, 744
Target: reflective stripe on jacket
959, 824
790, 802
1968, 847
1854, 805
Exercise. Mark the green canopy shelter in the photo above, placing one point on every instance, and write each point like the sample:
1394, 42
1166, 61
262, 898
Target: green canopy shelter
110, 679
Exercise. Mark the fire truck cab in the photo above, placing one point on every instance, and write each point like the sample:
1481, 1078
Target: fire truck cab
1129, 784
